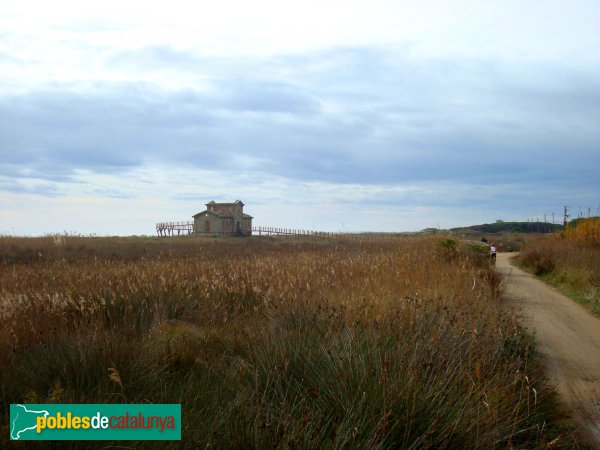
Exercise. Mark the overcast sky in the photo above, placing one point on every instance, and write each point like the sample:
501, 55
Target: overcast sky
330, 115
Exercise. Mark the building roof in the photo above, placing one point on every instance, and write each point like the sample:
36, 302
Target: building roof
237, 202
224, 216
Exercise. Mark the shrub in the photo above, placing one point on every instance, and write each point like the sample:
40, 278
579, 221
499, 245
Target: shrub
448, 249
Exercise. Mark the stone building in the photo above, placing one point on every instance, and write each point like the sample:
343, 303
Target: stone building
226, 219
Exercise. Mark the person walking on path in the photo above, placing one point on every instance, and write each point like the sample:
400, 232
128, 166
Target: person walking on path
493, 252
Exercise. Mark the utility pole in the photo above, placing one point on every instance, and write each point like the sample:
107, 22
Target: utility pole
566, 216
552, 217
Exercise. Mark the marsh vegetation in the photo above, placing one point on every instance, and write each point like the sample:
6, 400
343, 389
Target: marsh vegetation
270, 343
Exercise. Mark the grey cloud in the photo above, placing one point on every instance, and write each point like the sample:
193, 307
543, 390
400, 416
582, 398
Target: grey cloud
268, 97
155, 57
45, 188
344, 116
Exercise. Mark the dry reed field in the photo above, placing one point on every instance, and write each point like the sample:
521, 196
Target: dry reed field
270, 343
570, 261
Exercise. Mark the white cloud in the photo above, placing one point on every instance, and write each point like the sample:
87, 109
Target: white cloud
408, 113
69, 41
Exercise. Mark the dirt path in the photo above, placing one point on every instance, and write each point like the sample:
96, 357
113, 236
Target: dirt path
568, 338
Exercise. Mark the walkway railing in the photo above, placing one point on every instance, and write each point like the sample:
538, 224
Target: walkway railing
170, 228
271, 231
187, 228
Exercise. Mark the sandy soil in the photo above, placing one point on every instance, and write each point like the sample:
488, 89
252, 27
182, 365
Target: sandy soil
568, 338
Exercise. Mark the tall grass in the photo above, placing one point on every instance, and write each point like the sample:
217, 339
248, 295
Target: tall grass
268, 344
585, 231
570, 261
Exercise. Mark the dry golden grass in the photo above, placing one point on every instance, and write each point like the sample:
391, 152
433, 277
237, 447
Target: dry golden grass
570, 261
269, 343
587, 232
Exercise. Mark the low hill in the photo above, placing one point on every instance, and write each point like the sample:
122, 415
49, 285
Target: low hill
510, 227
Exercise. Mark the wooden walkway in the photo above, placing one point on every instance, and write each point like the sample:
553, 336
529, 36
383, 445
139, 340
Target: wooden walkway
174, 228
270, 231
187, 228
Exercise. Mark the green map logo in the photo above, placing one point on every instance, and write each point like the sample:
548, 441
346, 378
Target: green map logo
95, 422
24, 420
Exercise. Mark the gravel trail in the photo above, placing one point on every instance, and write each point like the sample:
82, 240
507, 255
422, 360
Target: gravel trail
568, 339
